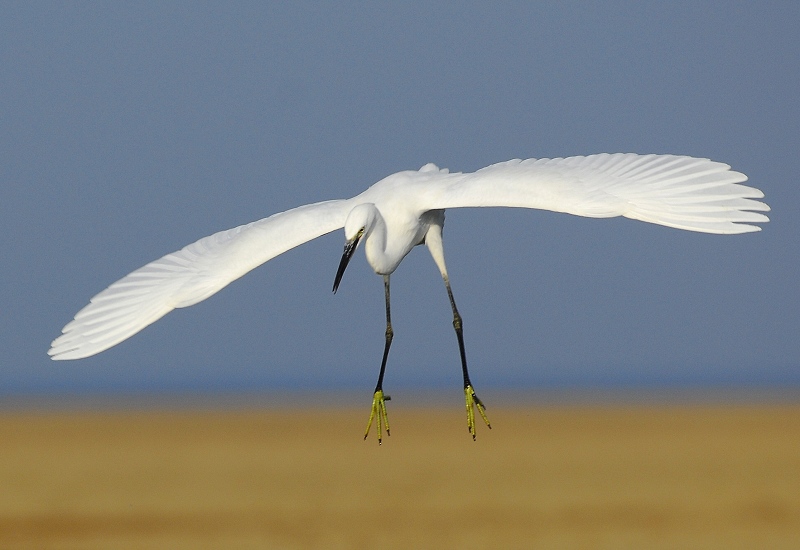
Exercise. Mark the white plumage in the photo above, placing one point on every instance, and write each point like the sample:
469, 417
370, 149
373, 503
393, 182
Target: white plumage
676, 191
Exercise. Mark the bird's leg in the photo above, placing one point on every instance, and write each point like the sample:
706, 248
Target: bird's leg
378, 412
472, 400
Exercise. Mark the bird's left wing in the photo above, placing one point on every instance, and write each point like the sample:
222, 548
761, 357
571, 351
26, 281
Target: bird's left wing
677, 191
189, 276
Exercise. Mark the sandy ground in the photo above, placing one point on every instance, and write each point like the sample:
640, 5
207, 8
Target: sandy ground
548, 477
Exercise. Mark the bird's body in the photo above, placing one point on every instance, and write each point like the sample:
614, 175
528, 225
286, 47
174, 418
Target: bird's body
407, 209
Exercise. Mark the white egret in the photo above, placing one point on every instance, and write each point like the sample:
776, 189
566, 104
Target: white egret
407, 209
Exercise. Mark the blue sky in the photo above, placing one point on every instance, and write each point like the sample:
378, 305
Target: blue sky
128, 130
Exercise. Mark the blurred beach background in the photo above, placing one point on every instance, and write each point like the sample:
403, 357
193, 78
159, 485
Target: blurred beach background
642, 382
592, 475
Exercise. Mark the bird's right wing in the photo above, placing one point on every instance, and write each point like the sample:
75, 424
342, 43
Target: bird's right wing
677, 191
189, 276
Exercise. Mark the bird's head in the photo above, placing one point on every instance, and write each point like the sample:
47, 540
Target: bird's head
359, 223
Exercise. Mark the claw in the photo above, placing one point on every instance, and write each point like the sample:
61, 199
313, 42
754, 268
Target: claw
473, 402
378, 413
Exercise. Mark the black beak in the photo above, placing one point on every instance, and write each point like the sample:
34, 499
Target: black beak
349, 248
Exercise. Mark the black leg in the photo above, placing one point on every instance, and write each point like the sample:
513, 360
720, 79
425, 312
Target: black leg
389, 334
472, 400
378, 412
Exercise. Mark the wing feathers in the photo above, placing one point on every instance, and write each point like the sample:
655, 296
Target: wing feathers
683, 192
188, 276
676, 191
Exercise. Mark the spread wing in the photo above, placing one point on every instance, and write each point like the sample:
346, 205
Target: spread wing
189, 276
676, 191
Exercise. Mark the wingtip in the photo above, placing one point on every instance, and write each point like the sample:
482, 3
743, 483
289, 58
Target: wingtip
60, 355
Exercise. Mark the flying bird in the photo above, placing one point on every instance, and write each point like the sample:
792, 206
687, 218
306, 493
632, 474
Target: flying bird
407, 209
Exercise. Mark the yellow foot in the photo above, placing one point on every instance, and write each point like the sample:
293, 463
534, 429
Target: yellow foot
378, 413
473, 403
